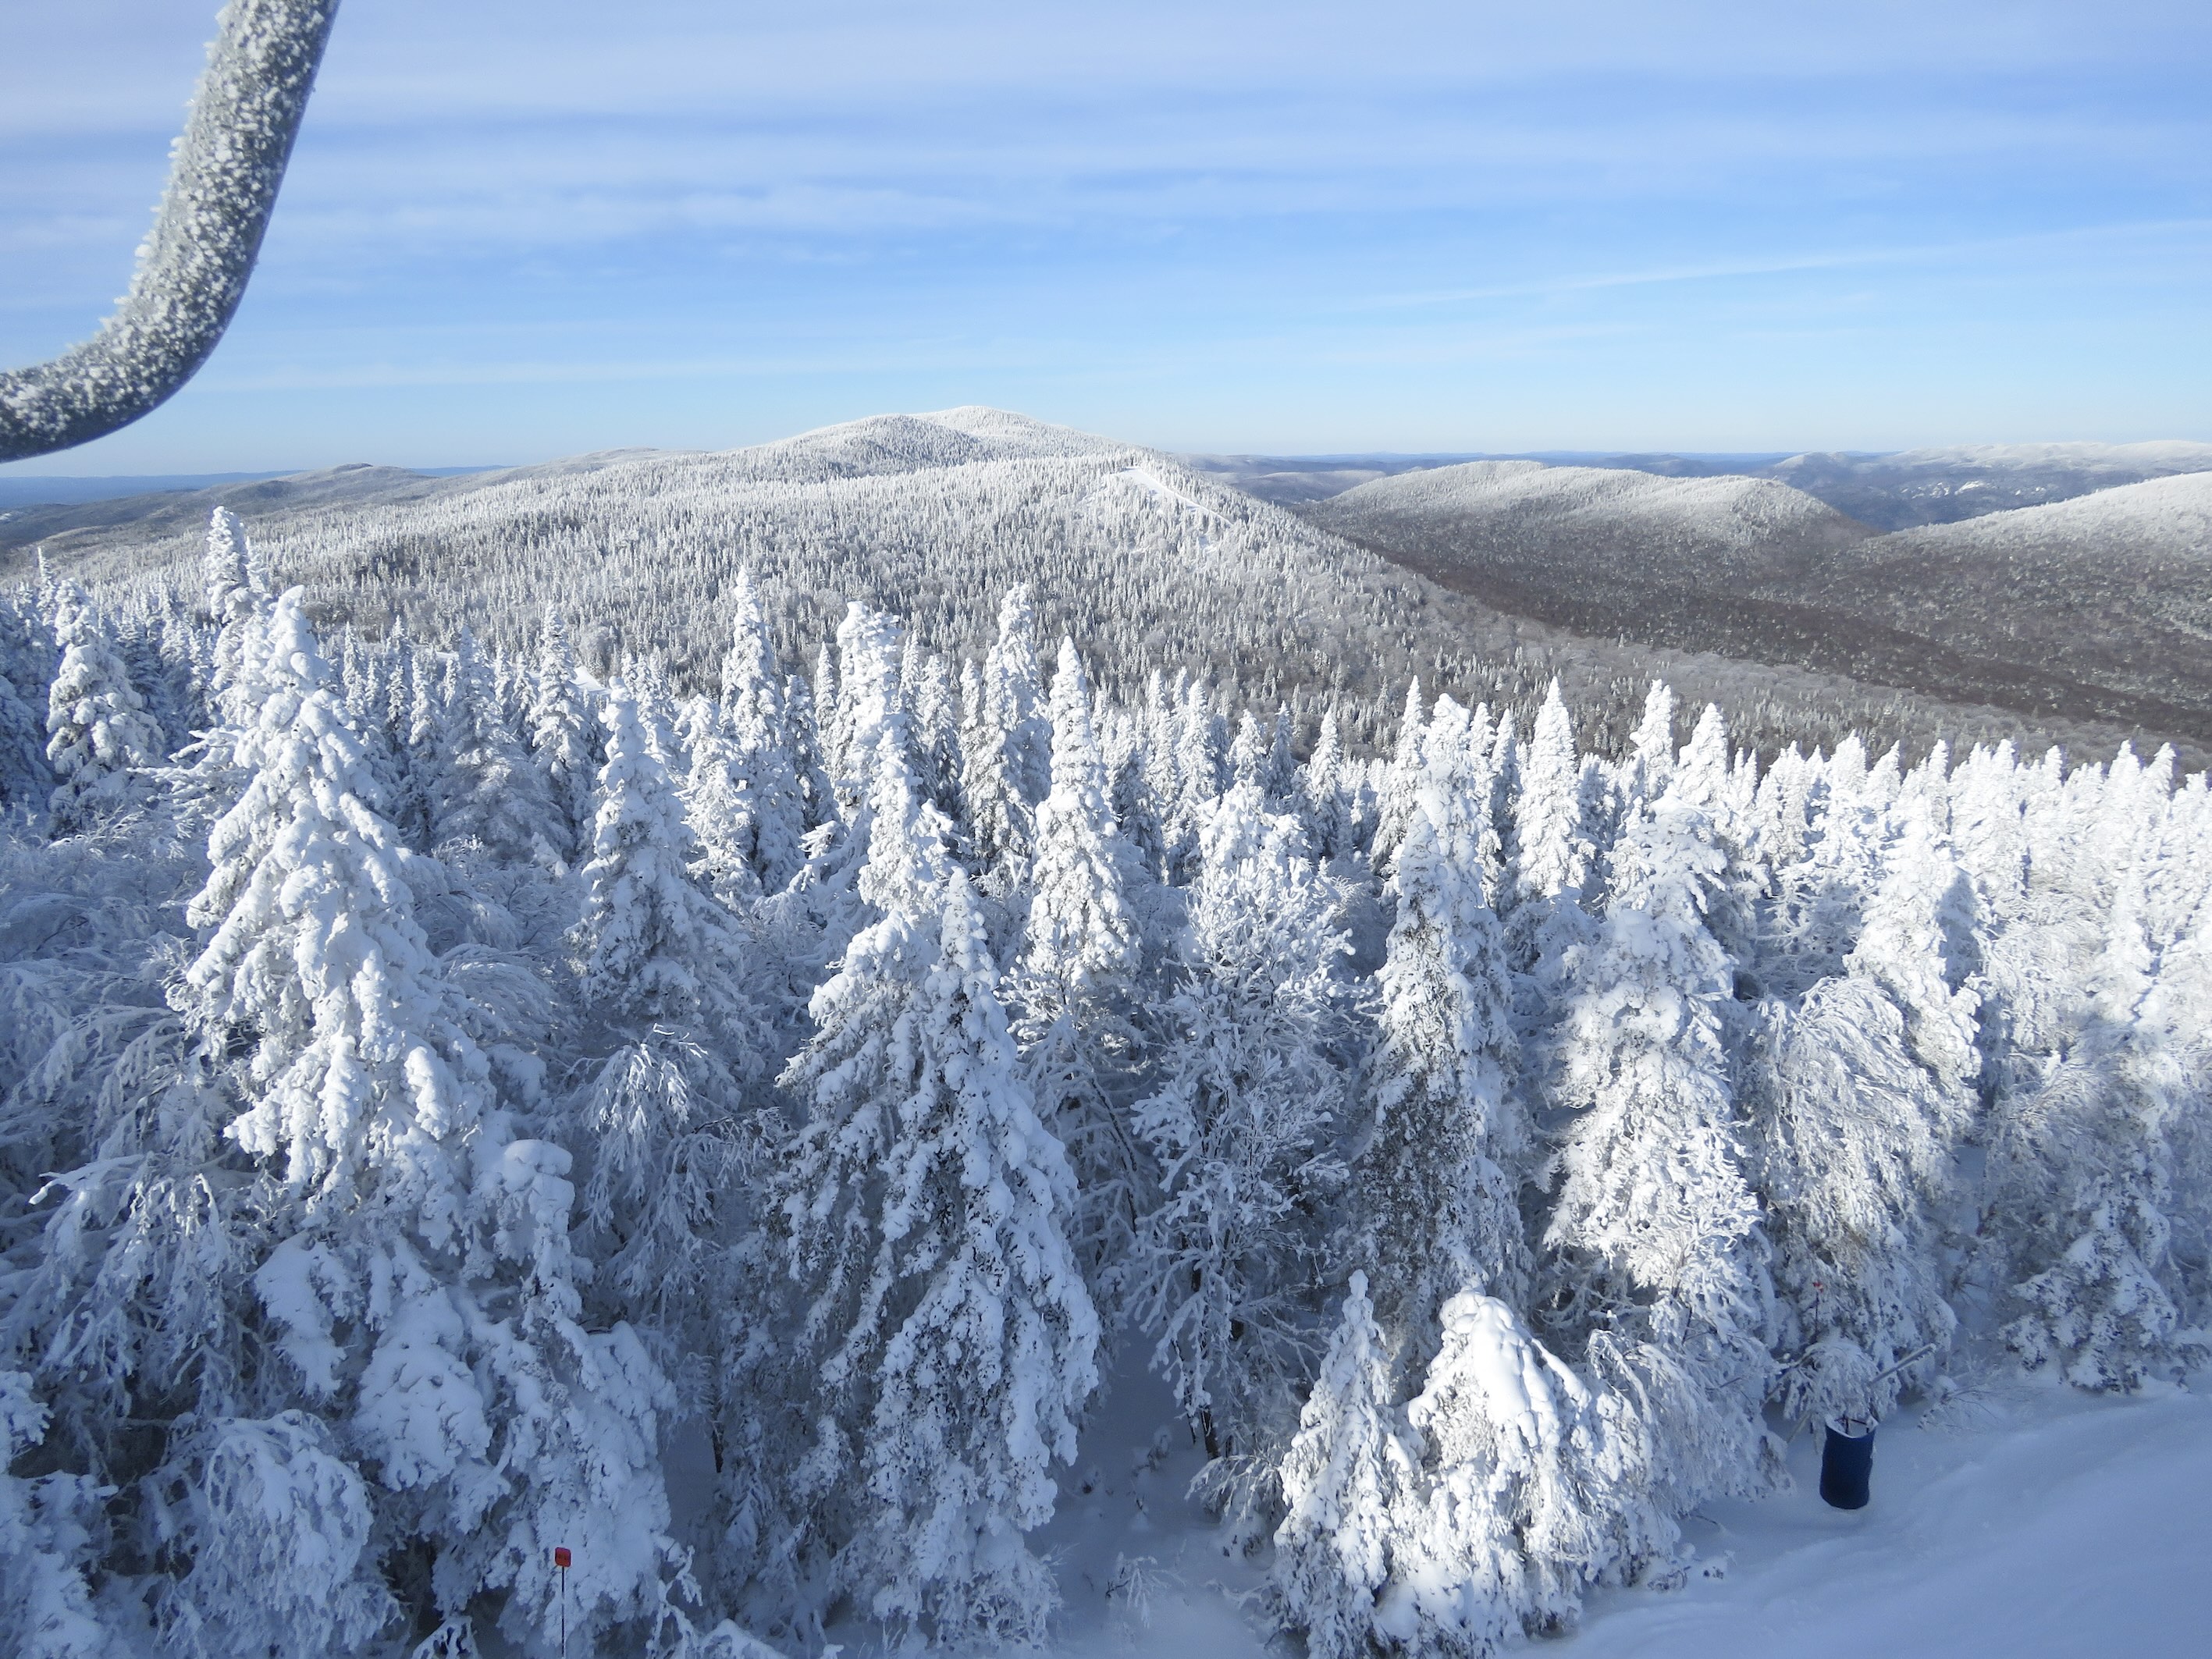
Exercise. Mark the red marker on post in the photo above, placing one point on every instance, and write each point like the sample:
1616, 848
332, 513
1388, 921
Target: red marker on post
560, 1560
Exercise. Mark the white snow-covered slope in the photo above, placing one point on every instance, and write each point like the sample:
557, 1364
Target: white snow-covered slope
2110, 590
935, 516
2160, 520
2065, 1527
2134, 461
1512, 511
2077, 1529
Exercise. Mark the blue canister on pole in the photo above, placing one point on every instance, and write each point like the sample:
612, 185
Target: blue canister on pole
1847, 1464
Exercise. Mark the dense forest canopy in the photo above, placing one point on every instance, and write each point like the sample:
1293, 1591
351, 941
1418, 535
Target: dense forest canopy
444, 1063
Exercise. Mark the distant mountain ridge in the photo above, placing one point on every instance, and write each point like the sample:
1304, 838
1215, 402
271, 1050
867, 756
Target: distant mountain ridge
2095, 607
935, 516
1893, 492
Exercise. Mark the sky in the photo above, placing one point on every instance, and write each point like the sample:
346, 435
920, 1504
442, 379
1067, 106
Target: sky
518, 230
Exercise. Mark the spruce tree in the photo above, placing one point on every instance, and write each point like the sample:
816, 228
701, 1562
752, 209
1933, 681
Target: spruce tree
1349, 1482
1243, 1125
952, 1341
1437, 1186
1080, 958
1656, 1270
421, 1292
99, 739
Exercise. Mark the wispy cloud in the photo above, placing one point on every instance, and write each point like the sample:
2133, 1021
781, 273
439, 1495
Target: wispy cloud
1439, 215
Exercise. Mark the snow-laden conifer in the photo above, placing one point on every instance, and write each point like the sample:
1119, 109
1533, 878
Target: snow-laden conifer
490, 791
1865, 1087
1323, 800
99, 739
1350, 1484
1438, 1186
46, 1608
1007, 768
1080, 957
717, 804
1519, 1507
410, 1217
952, 1340
2083, 1177
759, 723
1394, 810
662, 968
25, 669
560, 736
1655, 1268
1243, 1125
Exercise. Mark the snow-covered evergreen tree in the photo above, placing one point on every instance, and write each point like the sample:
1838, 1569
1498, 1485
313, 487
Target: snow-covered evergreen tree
1324, 801
46, 1610
490, 792
1394, 810
1350, 1484
662, 968
1007, 770
1243, 1125
1080, 957
953, 1340
1437, 1186
1522, 1504
561, 737
25, 669
99, 739
759, 726
1656, 1270
410, 1217
2083, 1179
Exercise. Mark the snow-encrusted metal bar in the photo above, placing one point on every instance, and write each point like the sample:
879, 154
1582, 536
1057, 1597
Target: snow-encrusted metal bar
193, 269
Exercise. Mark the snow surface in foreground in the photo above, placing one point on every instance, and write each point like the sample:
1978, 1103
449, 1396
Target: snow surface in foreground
2062, 1526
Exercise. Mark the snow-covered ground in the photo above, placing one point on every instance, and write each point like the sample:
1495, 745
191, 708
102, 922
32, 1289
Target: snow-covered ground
2071, 1526
2047, 1523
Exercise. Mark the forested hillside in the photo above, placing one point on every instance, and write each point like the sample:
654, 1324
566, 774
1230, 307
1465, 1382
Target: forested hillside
443, 1073
1156, 567
2091, 609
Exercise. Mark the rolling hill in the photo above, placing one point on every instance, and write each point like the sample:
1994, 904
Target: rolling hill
1148, 562
2094, 608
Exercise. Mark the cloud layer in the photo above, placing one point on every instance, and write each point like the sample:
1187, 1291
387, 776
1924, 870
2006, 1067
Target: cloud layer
513, 230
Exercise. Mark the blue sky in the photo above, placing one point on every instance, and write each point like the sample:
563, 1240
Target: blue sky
518, 230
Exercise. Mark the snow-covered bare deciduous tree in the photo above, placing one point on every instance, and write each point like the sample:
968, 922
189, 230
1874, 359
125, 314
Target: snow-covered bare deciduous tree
99, 740
1244, 1123
950, 1339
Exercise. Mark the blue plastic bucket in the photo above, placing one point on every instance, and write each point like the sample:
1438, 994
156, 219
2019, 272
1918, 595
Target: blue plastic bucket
1847, 1464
